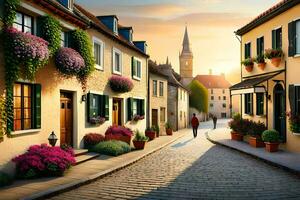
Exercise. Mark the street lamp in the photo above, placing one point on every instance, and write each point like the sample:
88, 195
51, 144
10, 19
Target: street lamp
52, 139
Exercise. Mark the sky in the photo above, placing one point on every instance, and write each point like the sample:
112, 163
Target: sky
211, 25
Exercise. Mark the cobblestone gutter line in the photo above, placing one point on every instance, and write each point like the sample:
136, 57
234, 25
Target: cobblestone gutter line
293, 171
66, 187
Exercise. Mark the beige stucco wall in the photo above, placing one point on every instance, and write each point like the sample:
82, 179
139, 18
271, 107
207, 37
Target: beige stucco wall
53, 83
157, 102
292, 63
183, 107
217, 108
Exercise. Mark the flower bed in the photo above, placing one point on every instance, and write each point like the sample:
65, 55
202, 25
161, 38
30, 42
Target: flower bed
118, 133
69, 62
43, 160
92, 139
112, 148
120, 84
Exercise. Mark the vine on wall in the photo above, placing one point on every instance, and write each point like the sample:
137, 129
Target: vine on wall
3, 117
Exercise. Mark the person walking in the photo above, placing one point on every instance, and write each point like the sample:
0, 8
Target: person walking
195, 124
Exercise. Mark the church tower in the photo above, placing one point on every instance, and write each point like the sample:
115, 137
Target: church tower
186, 57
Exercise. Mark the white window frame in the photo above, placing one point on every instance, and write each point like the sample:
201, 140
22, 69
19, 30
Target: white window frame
136, 70
297, 51
115, 50
116, 26
101, 43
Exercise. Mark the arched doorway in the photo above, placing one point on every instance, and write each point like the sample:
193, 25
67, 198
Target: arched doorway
279, 111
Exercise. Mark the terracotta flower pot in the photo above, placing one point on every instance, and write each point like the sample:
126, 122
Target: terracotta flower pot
276, 62
272, 147
236, 136
157, 134
169, 131
262, 66
150, 134
139, 144
249, 68
256, 142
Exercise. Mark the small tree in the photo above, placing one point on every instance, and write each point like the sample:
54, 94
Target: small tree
198, 96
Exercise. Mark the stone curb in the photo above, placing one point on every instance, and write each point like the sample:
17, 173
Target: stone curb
274, 164
75, 184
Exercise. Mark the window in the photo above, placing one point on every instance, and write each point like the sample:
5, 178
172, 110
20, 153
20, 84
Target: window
224, 105
247, 50
161, 89
224, 98
135, 107
219, 97
98, 53
298, 37
211, 105
27, 106
180, 94
180, 115
259, 103
66, 3
136, 68
117, 61
98, 106
162, 114
248, 104
294, 38
277, 38
297, 99
223, 91
115, 26
260, 46
23, 23
212, 97
154, 87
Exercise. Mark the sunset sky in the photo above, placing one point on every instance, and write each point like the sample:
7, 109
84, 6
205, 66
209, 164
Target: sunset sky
211, 24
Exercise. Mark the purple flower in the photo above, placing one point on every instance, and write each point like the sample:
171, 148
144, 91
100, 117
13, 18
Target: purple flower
120, 84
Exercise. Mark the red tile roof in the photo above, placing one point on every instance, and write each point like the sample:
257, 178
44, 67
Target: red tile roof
213, 81
272, 12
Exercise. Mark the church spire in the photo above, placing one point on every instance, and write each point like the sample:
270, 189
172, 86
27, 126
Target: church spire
186, 42
167, 62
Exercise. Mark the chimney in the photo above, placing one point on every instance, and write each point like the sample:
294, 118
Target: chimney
210, 72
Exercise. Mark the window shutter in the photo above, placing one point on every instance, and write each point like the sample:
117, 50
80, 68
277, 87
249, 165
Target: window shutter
101, 107
39, 23
292, 39
129, 108
292, 98
106, 106
37, 88
273, 39
89, 106
251, 105
133, 66
142, 107
257, 46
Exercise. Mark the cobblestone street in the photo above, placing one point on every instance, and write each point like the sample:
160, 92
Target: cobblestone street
193, 169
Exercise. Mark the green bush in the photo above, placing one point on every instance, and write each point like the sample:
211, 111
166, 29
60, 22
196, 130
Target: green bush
270, 136
111, 148
198, 96
5, 179
139, 136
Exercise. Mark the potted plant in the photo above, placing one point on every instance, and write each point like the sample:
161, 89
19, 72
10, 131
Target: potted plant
235, 125
248, 63
139, 140
150, 133
260, 60
157, 130
271, 139
169, 129
275, 55
255, 131
294, 123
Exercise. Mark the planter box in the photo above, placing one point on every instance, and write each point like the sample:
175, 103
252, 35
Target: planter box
262, 66
236, 136
139, 144
256, 142
150, 134
122, 138
249, 68
276, 62
169, 131
272, 147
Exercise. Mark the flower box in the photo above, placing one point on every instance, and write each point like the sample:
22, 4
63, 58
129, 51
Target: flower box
120, 84
272, 147
150, 134
119, 137
256, 142
139, 144
236, 136
276, 62
249, 68
262, 66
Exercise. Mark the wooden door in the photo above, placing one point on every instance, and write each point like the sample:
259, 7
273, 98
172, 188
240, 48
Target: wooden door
279, 111
66, 119
115, 113
154, 117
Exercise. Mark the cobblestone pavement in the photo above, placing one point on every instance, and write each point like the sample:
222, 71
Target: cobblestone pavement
193, 169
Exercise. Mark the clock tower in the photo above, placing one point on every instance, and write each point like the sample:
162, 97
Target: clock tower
186, 57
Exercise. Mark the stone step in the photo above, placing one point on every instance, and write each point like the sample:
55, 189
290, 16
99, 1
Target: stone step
85, 157
79, 152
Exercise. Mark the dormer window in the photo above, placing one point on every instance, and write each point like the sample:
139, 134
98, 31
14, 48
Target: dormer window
130, 36
66, 3
115, 26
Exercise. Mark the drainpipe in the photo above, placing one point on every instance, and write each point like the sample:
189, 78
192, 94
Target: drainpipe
148, 96
241, 96
267, 105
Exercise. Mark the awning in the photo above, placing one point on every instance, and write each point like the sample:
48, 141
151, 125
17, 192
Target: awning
251, 85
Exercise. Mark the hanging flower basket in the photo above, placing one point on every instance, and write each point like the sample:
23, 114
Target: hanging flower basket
69, 62
275, 55
120, 84
97, 120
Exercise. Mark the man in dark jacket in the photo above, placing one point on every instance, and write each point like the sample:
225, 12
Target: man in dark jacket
195, 125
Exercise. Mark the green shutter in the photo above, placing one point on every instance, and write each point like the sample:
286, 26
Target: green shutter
292, 93
142, 107
258, 46
39, 24
106, 106
292, 38
251, 105
274, 39
101, 106
129, 108
133, 66
37, 88
89, 106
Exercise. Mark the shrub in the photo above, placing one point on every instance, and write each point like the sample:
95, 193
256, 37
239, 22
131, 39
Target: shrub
273, 53
111, 148
237, 116
294, 122
260, 59
5, 179
168, 125
119, 130
139, 136
92, 139
256, 128
243, 126
120, 84
43, 160
199, 96
69, 62
248, 62
270, 136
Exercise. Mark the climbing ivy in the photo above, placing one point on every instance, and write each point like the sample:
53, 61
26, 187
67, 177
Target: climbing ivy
3, 116
50, 30
10, 7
